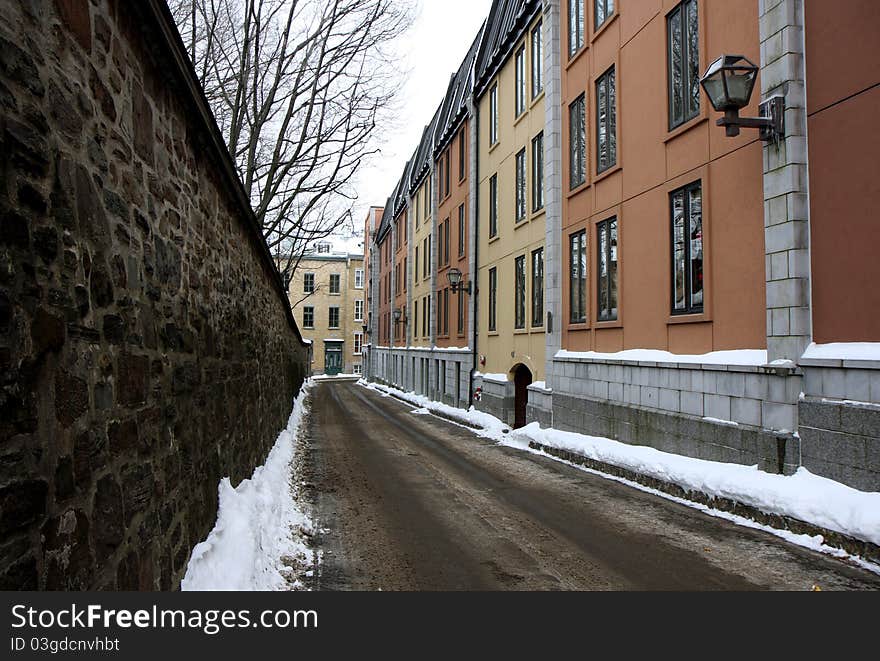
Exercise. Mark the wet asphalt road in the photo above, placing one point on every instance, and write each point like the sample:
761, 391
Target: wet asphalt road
412, 502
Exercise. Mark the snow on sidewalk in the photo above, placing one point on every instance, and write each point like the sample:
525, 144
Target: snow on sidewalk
804, 496
257, 524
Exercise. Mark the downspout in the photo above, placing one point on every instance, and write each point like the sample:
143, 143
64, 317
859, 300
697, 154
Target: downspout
475, 290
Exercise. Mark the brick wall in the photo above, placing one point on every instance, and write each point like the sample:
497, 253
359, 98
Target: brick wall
146, 346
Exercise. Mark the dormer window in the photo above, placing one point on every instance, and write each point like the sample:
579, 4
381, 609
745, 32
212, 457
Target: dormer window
323, 248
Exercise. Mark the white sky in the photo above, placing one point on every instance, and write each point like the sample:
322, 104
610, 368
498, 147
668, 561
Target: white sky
431, 52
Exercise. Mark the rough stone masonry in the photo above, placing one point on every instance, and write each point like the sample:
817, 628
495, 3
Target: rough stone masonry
147, 348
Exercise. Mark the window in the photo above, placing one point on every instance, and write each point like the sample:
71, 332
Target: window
323, 248
308, 317
427, 199
334, 283
537, 60
358, 343
575, 26
682, 33
426, 256
359, 310
461, 230
578, 277
577, 142
538, 172
446, 173
404, 273
358, 278
687, 249
446, 242
520, 92
309, 283
604, 9
493, 114
493, 298
416, 318
358, 368
461, 156
460, 313
333, 320
418, 206
416, 266
445, 293
493, 206
538, 288
521, 185
519, 297
606, 269
425, 322
606, 122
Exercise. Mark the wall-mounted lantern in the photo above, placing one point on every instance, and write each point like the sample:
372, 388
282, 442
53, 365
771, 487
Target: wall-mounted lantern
454, 277
729, 82
399, 315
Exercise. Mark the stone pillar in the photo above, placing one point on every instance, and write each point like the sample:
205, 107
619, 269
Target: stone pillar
786, 201
553, 195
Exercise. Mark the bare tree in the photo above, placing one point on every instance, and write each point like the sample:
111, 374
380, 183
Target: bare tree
299, 89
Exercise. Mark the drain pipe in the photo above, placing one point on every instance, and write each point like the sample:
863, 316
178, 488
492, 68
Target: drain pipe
475, 221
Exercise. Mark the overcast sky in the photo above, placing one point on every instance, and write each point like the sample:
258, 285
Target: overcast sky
431, 52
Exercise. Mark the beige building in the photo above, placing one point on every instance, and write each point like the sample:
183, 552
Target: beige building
328, 297
510, 97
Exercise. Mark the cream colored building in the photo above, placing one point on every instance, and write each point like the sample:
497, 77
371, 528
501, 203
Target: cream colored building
512, 222
328, 297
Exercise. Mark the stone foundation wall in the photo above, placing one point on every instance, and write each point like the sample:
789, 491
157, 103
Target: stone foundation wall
146, 345
428, 372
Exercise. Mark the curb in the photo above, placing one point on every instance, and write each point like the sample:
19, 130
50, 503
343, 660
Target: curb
450, 418
867, 550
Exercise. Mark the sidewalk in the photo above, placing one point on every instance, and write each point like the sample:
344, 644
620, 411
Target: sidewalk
803, 508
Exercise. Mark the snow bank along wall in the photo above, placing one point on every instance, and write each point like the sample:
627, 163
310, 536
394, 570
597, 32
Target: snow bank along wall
147, 348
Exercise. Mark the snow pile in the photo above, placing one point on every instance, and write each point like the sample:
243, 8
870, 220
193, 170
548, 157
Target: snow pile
256, 524
844, 351
488, 426
804, 496
750, 357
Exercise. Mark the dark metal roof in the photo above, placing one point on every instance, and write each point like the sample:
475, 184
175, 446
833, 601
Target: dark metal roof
402, 189
507, 21
385, 224
455, 103
422, 158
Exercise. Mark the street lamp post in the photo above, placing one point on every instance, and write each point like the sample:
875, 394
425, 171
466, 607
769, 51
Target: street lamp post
454, 277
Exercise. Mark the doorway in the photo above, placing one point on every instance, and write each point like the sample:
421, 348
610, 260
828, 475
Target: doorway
332, 358
522, 379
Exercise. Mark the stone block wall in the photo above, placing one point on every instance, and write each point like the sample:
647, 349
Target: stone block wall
146, 346
428, 372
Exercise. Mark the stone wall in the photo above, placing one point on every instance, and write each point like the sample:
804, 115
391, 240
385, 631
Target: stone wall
146, 346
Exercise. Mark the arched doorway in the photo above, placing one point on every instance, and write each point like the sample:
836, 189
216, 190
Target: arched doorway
522, 378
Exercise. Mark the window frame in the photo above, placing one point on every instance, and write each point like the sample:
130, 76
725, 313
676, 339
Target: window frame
538, 172
521, 203
537, 288
537, 53
462, 231
358, 340
519, 292
310, 309
576, 27
582, 277
460, 320
492, 326
330, 317
493, 115
680, 14
519, 78
605, 226
359, 277
581, 102
306, 279
610, 123
690, 308
338, 279
493, 206
606, 14
361, 316
462, 155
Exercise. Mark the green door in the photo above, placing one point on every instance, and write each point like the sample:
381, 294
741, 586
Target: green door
332, 358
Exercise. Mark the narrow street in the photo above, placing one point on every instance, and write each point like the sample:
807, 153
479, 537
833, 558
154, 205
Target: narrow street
411, 502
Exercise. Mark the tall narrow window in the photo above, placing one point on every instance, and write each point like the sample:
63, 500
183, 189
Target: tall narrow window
462, 230
493, 114
604, 9
418, 206
537, 60
606, 269
333, 320
461, 155
446, 173
446, 241
538, 172
446, 311
427, 198
577, 142
460, 313
416, 265
416, 318
334, 283
578, 277
519, 299
683, 37
440, 243
520, 92
308, 317
308, 283
606, 122
425, 321
359, 310
687, 249
493, 206
538, 288
575, 26
521, 185
358, 278
493, 298
358, 343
